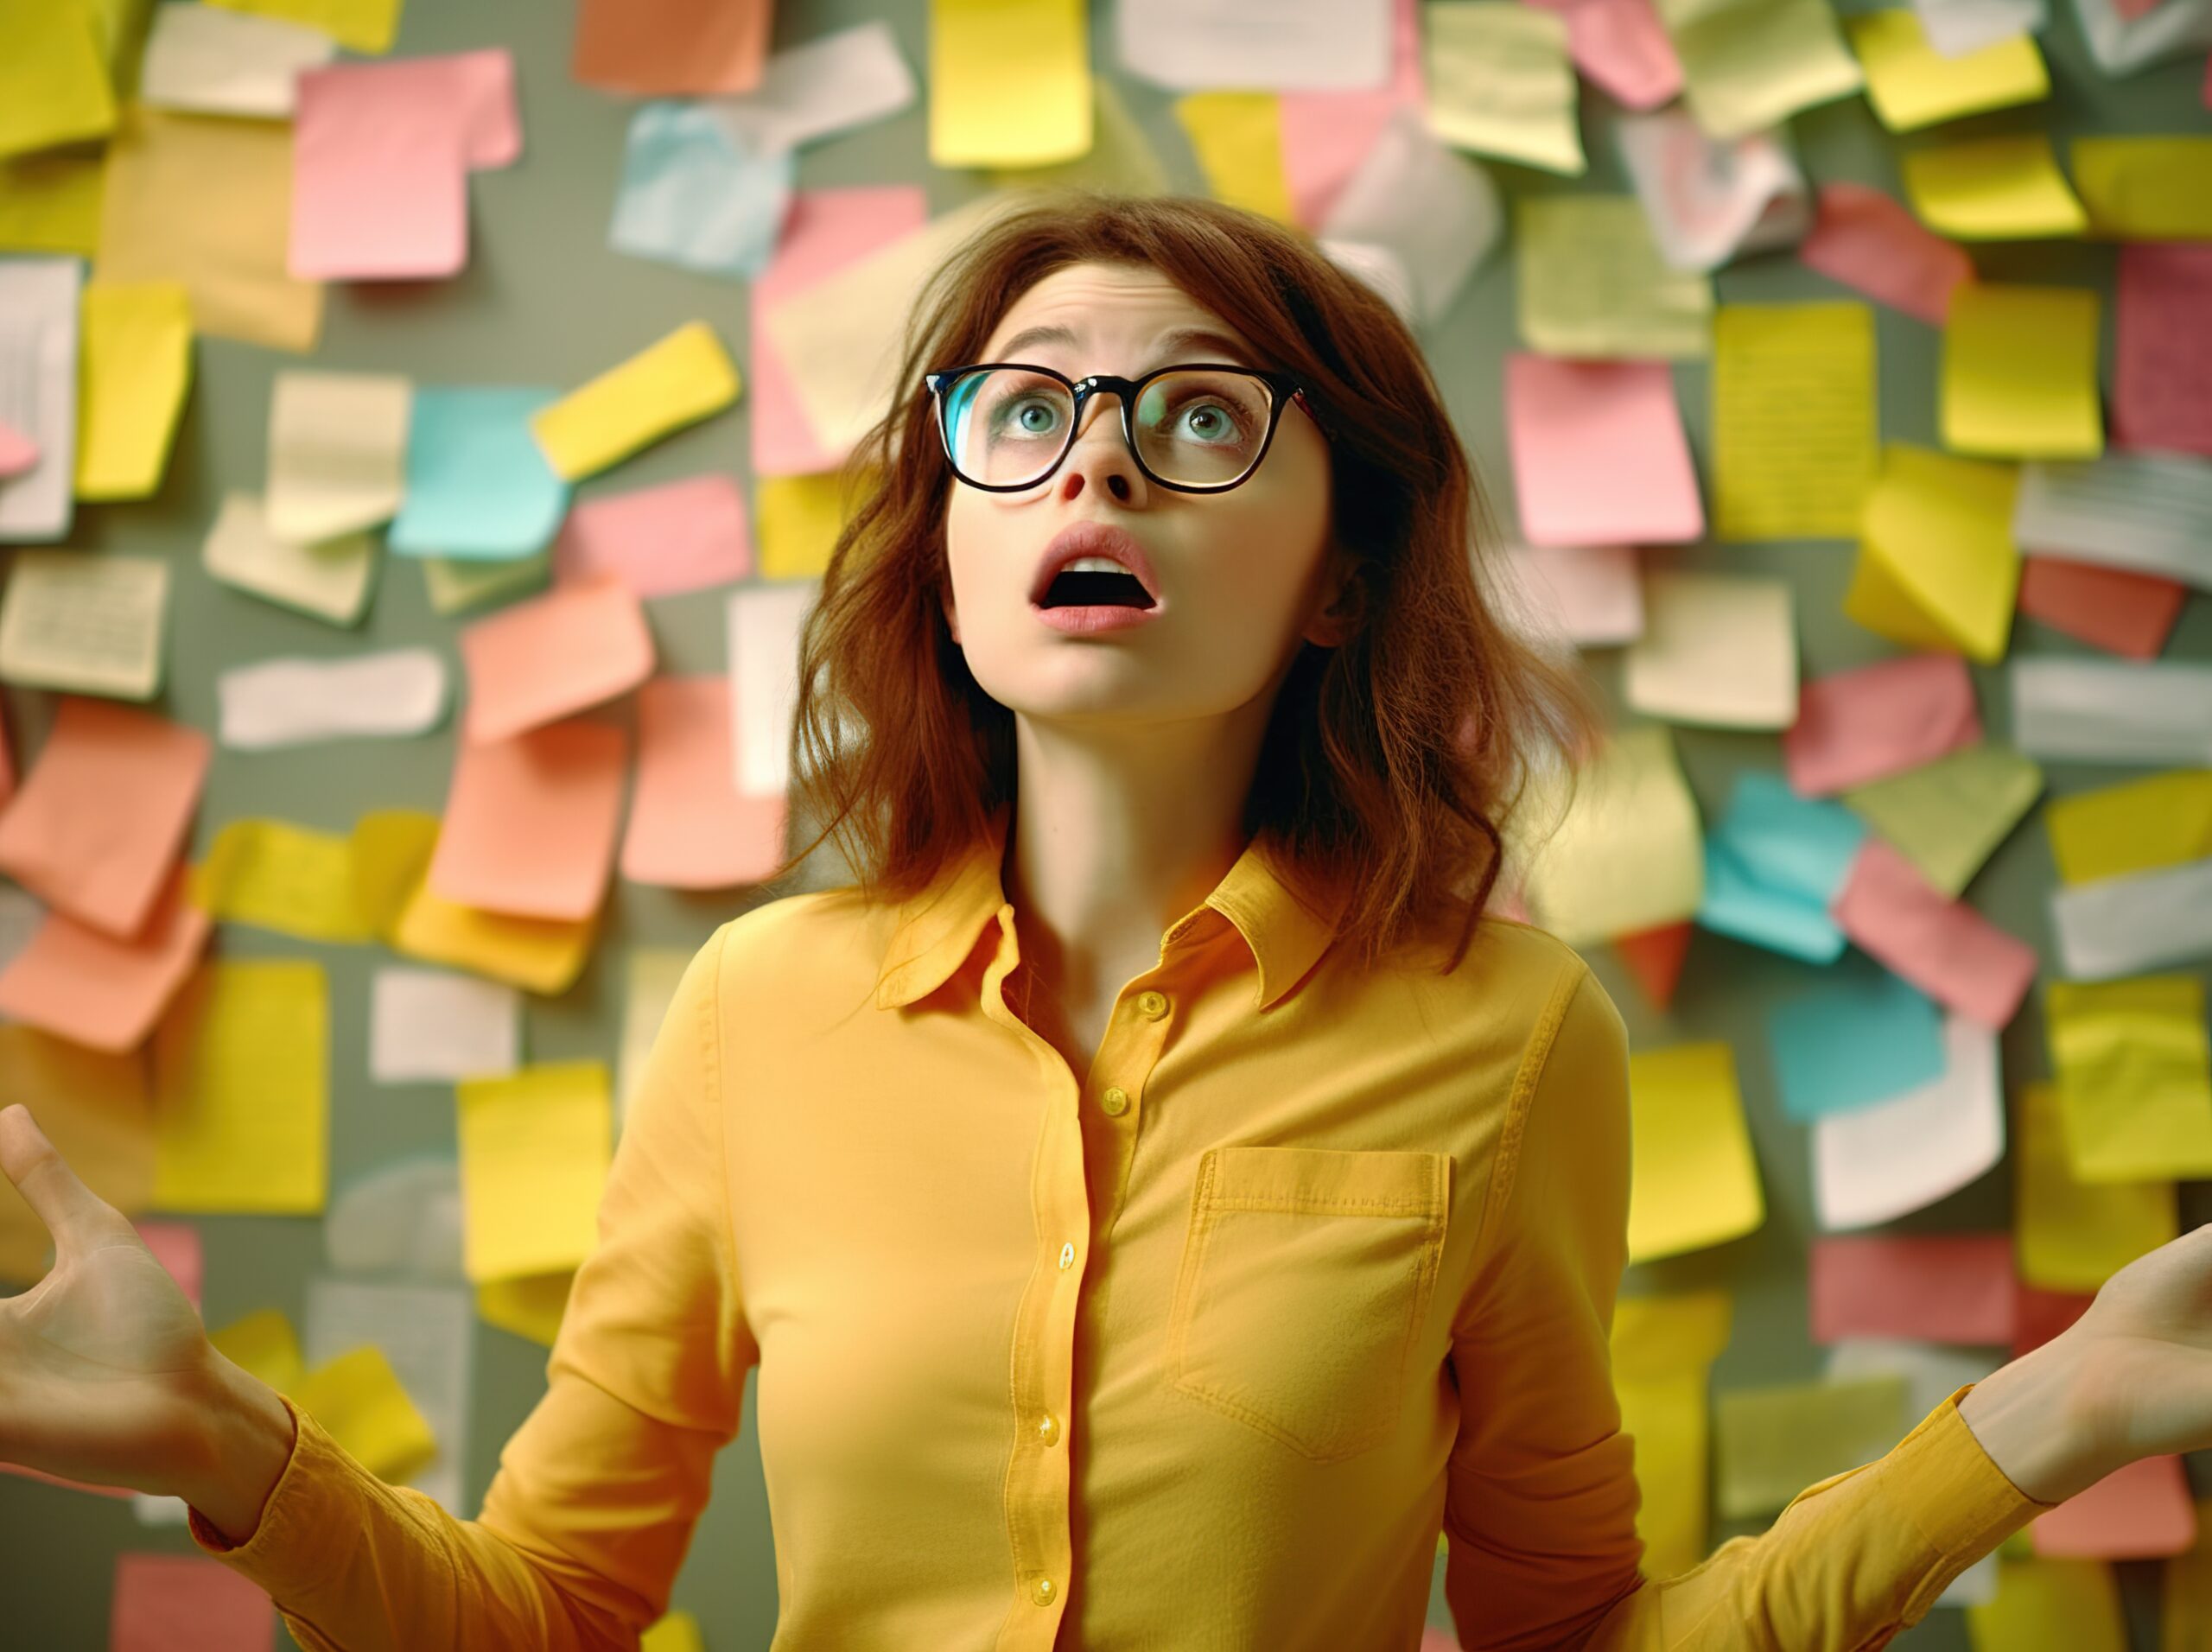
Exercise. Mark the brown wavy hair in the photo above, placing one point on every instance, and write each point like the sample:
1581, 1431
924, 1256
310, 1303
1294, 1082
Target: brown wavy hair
1391, 764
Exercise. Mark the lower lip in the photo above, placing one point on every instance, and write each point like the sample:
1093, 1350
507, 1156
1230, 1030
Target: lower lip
1107, 617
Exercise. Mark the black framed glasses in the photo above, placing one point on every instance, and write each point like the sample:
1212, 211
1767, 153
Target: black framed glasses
1199, 427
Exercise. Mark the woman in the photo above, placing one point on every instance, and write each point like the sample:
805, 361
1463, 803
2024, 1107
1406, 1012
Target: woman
1156, 1209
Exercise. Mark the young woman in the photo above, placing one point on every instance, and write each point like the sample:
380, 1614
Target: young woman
1160, 1195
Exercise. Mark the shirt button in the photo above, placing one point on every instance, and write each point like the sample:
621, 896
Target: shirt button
1041, 1591
1048, 1428
1115, 1101
1153, 1005
1067, 1254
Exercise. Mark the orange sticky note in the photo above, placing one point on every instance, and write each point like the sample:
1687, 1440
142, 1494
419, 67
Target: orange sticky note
659, 541
531, 820
2116, 609
102, 816
690, 826
671, 47
1940, 1288
2138, 1512
553, 655
91, 988
156, 1595
1598, 453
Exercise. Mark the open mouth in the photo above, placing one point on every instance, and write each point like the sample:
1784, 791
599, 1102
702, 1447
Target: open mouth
1070, 589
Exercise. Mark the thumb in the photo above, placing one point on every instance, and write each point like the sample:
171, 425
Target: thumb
72, 1213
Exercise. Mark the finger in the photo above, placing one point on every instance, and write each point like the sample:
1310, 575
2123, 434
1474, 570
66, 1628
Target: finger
72, 1213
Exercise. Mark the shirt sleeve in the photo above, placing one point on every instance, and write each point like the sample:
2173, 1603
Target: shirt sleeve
1540, 1497
591, 1510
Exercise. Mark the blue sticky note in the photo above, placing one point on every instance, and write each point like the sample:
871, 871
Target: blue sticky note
478, 485
1786, 841
1860, 1036
695, 193
1738, 905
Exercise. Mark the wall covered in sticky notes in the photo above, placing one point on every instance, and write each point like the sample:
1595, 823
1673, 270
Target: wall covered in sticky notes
381, 387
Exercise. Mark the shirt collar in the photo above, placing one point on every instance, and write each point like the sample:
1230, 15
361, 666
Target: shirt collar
937, 929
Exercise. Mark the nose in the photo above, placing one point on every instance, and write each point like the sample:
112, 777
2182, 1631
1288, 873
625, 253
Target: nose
1100, 457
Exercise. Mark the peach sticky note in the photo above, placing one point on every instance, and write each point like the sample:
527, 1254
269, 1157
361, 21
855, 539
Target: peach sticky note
2138, 1512
90, 988
2116, 609
690, 826
102, 814
1866, 239
393, 849
1941, 1287
659, 541
1860, 725
1598, 453
671, 47
540, 660
155, 1594
530, 820
1942, 946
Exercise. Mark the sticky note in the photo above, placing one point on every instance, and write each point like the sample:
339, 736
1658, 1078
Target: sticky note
1586, 594
1780, 860
478, 485
1598, 453
765, 622
1937, 565
1948, 817
1626, 855
337, 452
293, 701
241, 1072
658, 541
404, 1218
135, 369
436, 1025
1852, 1036
206, 200
357, 25
676, 381
539, 954
18, 452
1427, 207
1911, 85
1866, 239
2112, 711
2140, 1511
1709, 198
670, 48
1316, 45
95, 1108
1237, 138
1591, 282
1959, 27
423, 1330
212, 61
2130, 1062
1499, 82
359, 1400
1694, 1181
1008, 86
1718, 650
1120, 159
276, 875
2146, 188
2051, 1605
1860, 725
2020, 372
155, 1594
677, 1631
1944, 946
1793, 419
536, 661
2140, 825
1876, 1163
2005, 188
689, 827
330, 580
1748, 65
1621, 46
2125, 926
38, 361
800, 518
1938, 1287
531, 820
1772, 1441
87, 622
535, 1148
529, 1304
453, 585
2162, 361
84, 985
825, 84
176, 1246
2112, 608
2073, 1236
50, 202
1662, 1348
698, 193
54, 83
264, 1345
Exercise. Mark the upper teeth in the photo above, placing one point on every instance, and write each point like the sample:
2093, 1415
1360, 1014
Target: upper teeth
1094, 565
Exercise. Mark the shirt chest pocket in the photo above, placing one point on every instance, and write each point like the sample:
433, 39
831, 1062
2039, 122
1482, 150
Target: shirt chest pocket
1306, 1275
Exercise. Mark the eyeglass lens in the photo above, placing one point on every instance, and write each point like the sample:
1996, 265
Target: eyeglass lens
1007, 426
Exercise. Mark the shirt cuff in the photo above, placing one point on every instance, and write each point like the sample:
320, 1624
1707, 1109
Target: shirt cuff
1941, 1479
296, 1520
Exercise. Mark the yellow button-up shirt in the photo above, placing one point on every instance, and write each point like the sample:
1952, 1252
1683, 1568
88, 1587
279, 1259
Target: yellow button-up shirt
1199, 1349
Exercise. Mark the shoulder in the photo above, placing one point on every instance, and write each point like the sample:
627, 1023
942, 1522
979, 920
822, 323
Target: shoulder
800, 948
1535, 986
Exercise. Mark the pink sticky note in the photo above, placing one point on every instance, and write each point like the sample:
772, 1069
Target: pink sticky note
690, 826
381, 159
548, 656
824, 230
1944, 1287
658, 541
530, 821
102, 816
2043, 1314
1621, 47
1870, 242
2139, 1512
2129, 11
2161, 346
1942, 946
187, 1603
18, 453
176, 1246
671, 47
88, 986
1598, 453
1895, 714
1326, 134
2116, 609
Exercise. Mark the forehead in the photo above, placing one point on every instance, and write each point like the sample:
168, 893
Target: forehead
1097, 311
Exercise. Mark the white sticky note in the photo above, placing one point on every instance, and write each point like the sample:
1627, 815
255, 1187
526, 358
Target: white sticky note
1309, 45
1593, 596
1873, 1163
2149, 512
337, 453
1717, 649
2123, 45
2113, 711
1709, 198
1959, 27
853, 77
87, 621
291, 701
221, 62
427, 1333
764, 630
39, 302
1434, 209
401, 1222
432, 1025
2135, 925
330, 580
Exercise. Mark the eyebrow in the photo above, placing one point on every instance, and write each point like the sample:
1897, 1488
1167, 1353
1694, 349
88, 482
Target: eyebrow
1171, 342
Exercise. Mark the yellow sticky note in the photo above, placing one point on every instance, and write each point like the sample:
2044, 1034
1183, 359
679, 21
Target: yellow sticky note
1120, 161
2146, 188
539, 954
1009, 82
455, 583
1718, 650
1793, 419
361, 1403
798, 519
2160, 820
1911, 85
2050, 1604
2020, 372
241, 1061
1237, 137
50, 202
1948, 817
1626, 855
390, 851
54, 76
134, 366
529, 1304
2133, 1073
277, 876
677, 1632
1500, 82
1748, 65
359, 25
1695, 1183
534, 1146
1937, 567
1773, 1441
1994, 188
681, 379
1662, 1352
263, 1345
1591, 282
2071, 1234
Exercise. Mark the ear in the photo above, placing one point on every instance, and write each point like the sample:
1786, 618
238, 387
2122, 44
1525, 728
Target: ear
1342, 602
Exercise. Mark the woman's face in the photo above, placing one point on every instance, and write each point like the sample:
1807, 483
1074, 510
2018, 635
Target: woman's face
1242, 575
